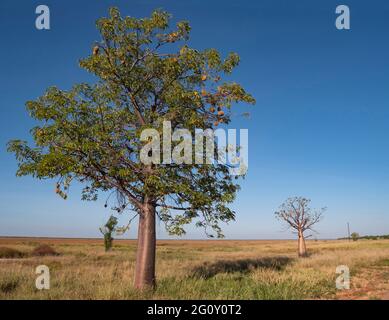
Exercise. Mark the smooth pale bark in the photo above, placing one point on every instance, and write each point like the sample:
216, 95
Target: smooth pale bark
145, 257
302, 249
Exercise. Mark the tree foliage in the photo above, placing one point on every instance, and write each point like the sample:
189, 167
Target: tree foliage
146, 74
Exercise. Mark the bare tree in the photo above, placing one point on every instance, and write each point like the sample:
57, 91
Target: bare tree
299, 217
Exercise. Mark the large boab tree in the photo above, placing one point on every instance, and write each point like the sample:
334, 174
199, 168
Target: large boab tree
91, 133
300, 217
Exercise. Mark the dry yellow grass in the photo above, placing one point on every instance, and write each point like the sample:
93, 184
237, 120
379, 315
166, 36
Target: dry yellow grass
198, 270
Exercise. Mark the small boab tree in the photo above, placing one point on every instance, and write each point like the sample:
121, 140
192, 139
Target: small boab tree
107, 231
299, 217
146, 74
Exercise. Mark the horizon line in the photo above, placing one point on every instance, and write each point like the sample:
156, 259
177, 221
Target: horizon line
163, 239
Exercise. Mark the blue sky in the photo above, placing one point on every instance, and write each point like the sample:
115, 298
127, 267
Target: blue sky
319, 128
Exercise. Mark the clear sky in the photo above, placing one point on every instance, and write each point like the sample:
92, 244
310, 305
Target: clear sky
319, 128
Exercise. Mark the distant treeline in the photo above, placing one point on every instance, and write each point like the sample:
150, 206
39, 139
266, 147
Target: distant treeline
385, 236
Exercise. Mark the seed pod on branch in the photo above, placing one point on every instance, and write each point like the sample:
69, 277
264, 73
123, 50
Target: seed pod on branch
95, 50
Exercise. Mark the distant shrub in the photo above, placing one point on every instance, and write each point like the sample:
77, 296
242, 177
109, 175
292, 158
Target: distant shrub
44, 250
382, 237
355, 236
9, 253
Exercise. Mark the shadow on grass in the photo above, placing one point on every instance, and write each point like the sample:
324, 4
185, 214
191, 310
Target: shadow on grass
209, 270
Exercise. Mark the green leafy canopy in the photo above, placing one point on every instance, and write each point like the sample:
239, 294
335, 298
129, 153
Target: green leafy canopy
146, 74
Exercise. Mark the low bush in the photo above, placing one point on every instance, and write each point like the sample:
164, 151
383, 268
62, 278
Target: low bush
9, 253
44, 250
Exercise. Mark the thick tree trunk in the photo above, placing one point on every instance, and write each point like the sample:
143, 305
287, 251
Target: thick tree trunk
145, 258
301, 245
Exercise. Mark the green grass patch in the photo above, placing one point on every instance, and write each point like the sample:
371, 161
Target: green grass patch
237, 286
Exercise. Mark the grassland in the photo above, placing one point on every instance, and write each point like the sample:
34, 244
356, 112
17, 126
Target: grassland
198, 270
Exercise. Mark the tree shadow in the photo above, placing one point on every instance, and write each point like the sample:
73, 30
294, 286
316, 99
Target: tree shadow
209, 270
